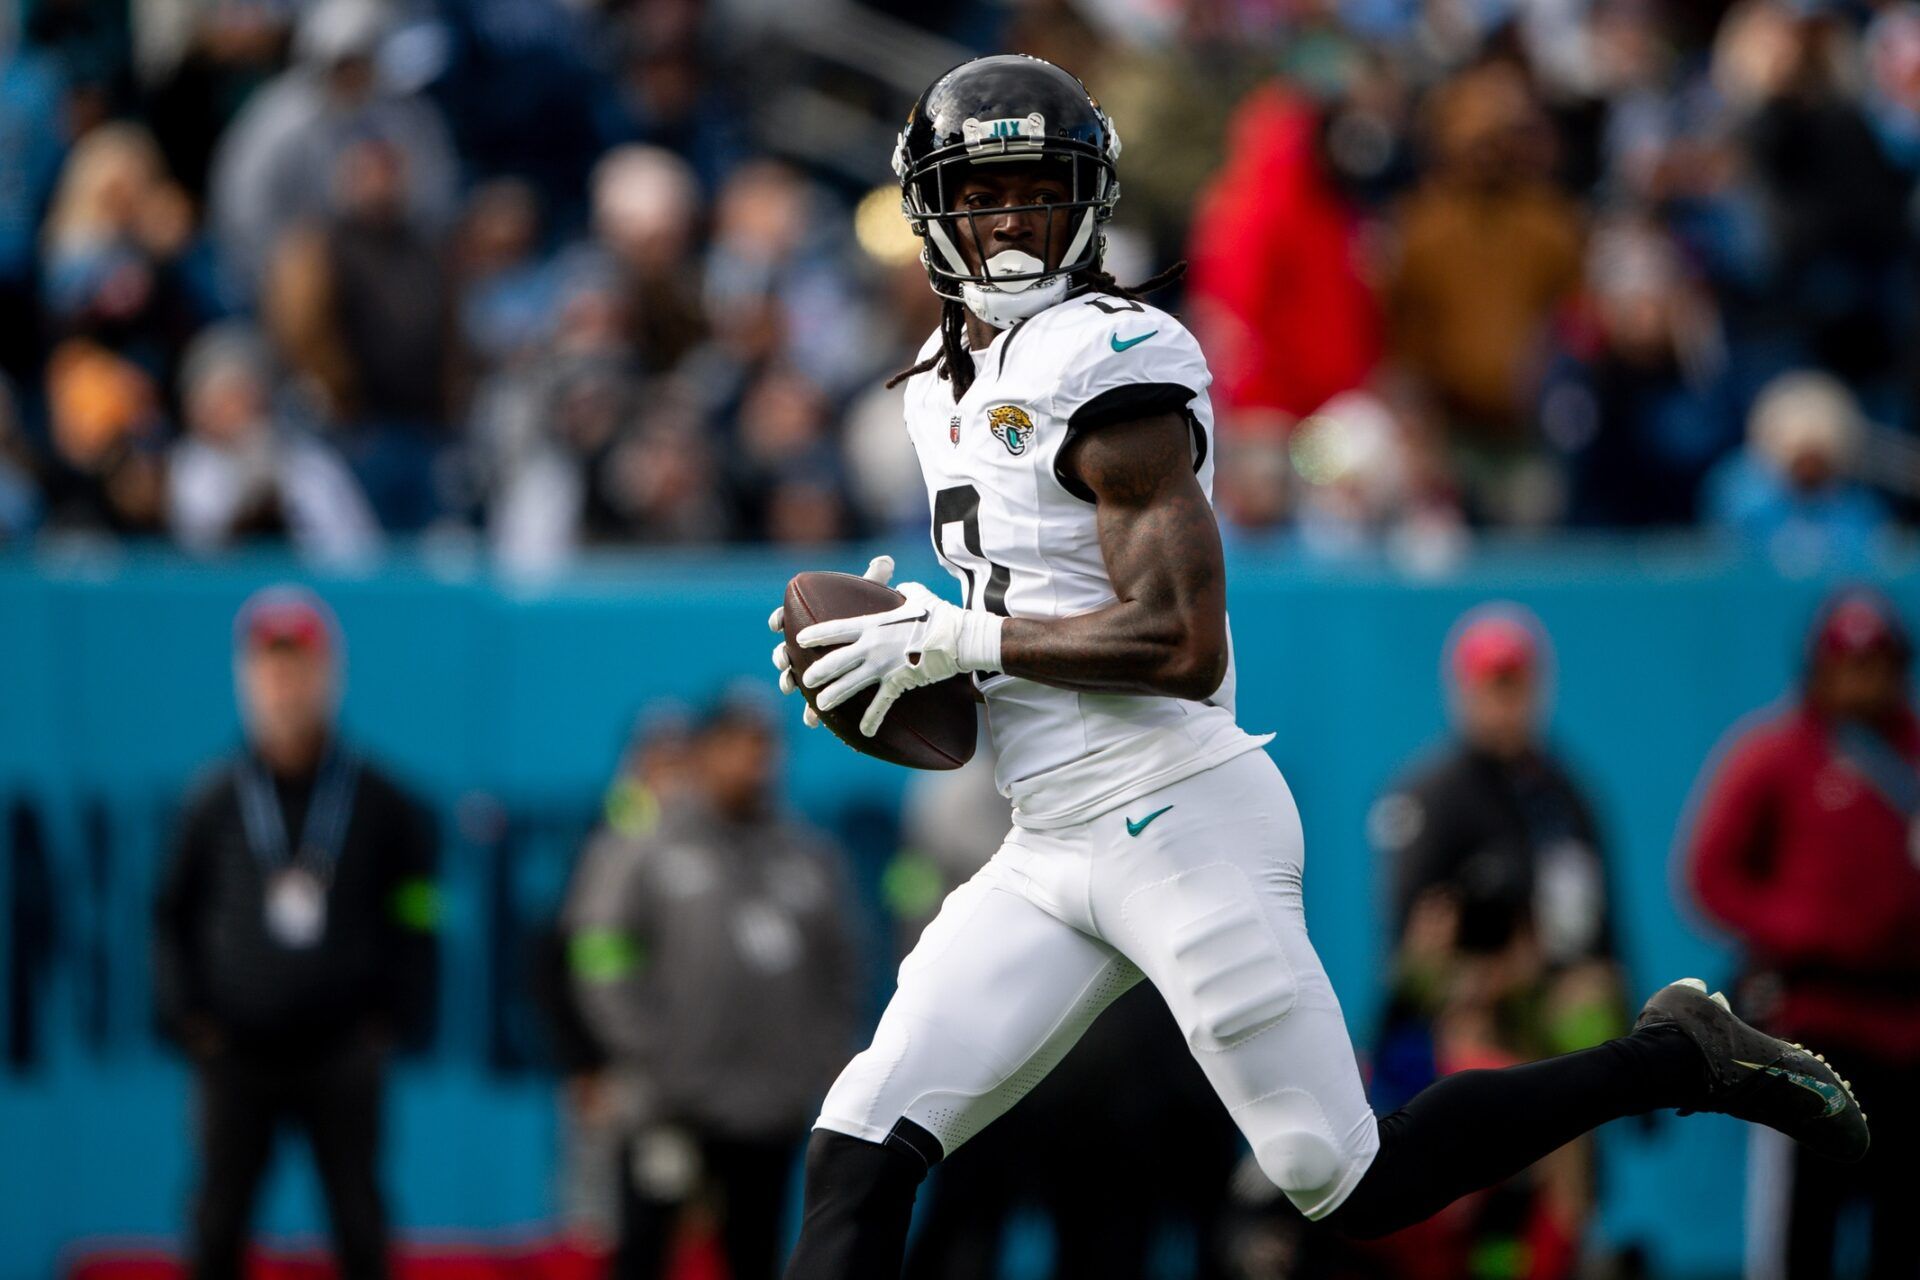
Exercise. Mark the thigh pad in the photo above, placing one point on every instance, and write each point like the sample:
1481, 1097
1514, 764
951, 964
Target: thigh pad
1205, 941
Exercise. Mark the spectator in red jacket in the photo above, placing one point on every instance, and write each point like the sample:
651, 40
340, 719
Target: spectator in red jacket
1277, 294
1804, 850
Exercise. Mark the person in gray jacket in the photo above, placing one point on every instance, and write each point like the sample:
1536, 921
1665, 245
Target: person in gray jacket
275, 164
712, 958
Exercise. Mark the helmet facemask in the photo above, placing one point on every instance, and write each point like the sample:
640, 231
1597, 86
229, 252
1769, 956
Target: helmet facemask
1012, 284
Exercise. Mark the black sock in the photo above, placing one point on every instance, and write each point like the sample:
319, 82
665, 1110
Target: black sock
859, 1203
1475, 1128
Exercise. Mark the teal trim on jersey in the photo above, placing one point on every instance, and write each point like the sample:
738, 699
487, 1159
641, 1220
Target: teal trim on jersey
1118, 345
1135, 828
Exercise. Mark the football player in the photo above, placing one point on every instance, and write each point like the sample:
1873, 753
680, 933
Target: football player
1064, 431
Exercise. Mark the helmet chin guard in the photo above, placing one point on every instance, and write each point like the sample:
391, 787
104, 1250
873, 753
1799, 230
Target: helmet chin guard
1022, 292
1007, 109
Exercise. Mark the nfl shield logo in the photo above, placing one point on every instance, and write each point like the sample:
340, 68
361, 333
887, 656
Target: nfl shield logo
953, 429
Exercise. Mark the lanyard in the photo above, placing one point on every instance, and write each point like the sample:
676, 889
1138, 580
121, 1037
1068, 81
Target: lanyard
325, 828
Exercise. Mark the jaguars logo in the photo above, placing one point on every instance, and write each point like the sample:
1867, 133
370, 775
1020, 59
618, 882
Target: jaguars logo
1011, 427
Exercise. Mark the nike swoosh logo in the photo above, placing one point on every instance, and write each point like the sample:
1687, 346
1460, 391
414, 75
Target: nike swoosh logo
1832, 1095
920, 617
1135, 828
1118, 345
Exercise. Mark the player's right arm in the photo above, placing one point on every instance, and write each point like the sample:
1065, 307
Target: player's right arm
1166, 632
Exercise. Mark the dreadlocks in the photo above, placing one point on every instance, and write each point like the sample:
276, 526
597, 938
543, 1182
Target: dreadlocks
954, 360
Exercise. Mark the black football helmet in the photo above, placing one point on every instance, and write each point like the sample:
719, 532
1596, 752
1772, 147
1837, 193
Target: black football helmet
1008, 108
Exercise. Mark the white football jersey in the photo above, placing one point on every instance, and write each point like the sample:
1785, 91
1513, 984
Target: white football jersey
1023, 542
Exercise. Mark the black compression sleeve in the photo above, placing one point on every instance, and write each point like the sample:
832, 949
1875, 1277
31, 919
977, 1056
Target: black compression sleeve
859, 1203
1475, 1128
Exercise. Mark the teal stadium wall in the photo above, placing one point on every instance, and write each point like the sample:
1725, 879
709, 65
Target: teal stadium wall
505, 705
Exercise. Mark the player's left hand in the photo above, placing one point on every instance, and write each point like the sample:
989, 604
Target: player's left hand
919, 642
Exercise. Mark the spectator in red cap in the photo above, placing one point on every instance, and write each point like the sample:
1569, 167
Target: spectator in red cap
294, 942
1491, 819
1501, 911
1804, 849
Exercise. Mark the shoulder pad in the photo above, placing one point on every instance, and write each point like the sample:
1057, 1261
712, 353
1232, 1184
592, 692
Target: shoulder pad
1129, 357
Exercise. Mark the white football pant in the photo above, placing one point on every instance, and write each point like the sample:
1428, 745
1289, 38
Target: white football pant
1196, 886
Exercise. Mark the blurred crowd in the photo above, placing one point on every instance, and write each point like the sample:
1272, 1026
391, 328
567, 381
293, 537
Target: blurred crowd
547, 274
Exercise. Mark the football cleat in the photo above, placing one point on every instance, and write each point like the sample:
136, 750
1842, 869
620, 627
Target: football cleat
1755, 1077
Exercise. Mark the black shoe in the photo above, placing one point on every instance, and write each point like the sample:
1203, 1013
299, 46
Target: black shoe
1752, 1076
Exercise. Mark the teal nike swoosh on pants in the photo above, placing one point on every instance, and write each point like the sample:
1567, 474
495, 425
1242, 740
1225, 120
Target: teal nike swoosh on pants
1135, 828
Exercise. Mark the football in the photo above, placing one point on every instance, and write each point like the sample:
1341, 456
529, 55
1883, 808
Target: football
934, 727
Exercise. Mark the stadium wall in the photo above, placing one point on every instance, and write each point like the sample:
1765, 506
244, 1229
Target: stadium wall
505, 704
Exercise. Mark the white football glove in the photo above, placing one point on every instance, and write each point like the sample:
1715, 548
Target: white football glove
922, 641
880, 570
